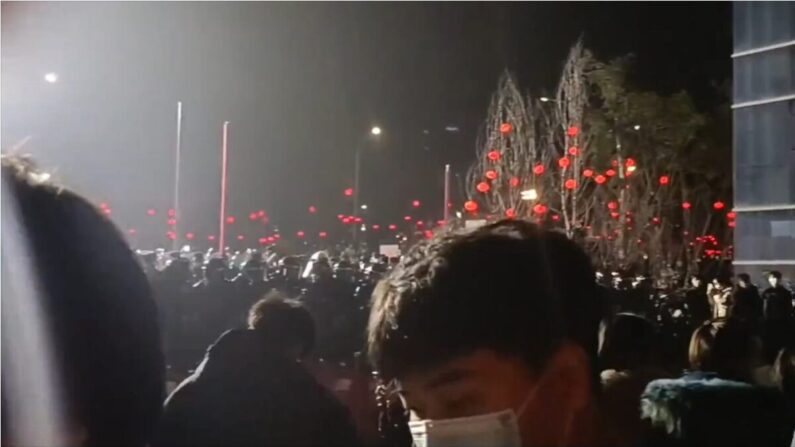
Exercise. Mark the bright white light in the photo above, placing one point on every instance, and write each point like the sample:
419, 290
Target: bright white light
637, 127
364, 207
375, 130
530, 194
458, 214
52, 78
631, 168
451, 128
543, 99
363, 228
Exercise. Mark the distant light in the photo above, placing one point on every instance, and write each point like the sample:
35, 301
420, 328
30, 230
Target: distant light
363, 227
364, 207
375, 130
415, 203
348, 192
51, 77
637, 127
451, 128
543, 99
631, 168
458, 214
529, 194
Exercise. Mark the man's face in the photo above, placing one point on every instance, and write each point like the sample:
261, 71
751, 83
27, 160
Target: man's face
486, 382
772, 280
696, 282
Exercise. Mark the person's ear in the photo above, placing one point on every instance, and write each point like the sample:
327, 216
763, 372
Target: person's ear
569, 373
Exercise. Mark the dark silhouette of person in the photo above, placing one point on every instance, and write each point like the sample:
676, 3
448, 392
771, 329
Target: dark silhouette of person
82, 363
251, 389
697, 302
747, 304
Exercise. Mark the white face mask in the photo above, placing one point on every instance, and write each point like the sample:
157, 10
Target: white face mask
500, 429
773, 281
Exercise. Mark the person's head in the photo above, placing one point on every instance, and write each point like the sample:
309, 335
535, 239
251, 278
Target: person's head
725, 347
696, 281
286, 326
774, 278
290, 267
472, 324
784, 372
81, 343
214, 270
743, 280
343, 270
627, 342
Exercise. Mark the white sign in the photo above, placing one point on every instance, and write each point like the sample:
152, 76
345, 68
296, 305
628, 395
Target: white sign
389, 250
472, 224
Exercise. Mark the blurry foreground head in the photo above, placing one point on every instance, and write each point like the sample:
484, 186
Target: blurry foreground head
285, 325
82, 363
472, 330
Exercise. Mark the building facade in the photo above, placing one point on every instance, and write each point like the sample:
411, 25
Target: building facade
764, 137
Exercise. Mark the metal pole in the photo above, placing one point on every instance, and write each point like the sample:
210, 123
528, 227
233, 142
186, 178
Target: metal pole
446, 212
178, 150
356, 164
222, 222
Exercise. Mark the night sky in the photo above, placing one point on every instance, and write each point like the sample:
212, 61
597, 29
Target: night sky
301, 84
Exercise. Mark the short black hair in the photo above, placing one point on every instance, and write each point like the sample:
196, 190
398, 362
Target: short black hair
282, 322
775, 274
489, 288
629, 341
96, 306
744, 277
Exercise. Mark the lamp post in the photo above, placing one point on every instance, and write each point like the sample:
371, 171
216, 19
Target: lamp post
374, 133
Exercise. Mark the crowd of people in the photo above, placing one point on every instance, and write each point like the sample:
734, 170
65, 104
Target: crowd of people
503, 335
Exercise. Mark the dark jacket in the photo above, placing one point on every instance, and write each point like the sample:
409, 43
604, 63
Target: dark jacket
700, 409
242, 395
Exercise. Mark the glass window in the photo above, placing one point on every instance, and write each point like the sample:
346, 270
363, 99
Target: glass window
764, 157
765, 235
764, 75
759, 24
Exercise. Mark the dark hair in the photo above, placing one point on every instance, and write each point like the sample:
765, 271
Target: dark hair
774, 273
283, 322
459, 292
96, 307
628, 344
744, 277
725, 347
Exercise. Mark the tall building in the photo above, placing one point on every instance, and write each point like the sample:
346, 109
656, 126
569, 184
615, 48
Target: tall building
764, 137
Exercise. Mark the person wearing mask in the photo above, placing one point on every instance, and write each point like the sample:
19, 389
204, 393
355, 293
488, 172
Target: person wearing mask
82, 359
778, 329
697, 302
252, 390
470, 331
777, 298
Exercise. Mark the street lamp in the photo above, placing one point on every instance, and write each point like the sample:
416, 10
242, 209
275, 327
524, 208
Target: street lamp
544, 99
51, 77
637, 127
375, 132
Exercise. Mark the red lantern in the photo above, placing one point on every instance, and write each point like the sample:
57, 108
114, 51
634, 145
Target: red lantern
655, 220
277, 236
261, 213
346, 220
483, 187
664, 180
392, 227
252, 216
491, 174
322, 235
555, 217
376, 227
299, 234
312, 209
171, 222
172, 212
506, 128
471, 206
493, 155
629, 162
510, 213
106, 211
572, 131
151, 212
610, 172
732, 224
420, 223
514, 182
718, 205
587, 173
570, 184
171, 235
272, 239
574, 151
686, 205
348, 192
612, 205
440, 223
230, 220
211, 238
240, 237
538, 169
357, 220
262, 240
599, 179
132, 231
614, 215
540, 209
340, 216
428, 234
407, 218
731, 215
415, 203
564, 162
